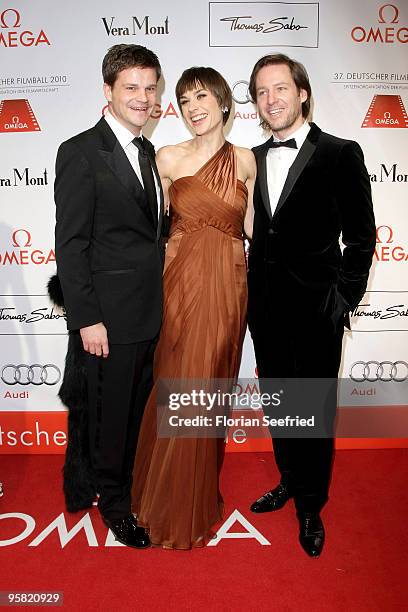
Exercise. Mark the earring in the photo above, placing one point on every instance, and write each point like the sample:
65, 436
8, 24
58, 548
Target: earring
224, 109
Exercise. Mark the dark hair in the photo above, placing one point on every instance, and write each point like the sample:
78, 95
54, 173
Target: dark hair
298, 72
120, 57
210, 79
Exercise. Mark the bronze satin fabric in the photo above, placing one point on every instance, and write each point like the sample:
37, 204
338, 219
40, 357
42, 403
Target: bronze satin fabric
175, 491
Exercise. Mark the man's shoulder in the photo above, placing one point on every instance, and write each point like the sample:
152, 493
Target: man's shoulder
336, 149
335, 142
88, 135
257, 149
318, 137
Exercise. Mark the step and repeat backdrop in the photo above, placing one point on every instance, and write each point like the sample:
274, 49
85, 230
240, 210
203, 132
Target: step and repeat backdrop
51, 88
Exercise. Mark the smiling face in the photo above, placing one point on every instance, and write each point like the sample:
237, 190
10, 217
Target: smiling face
201, 110
132, 97
279, 100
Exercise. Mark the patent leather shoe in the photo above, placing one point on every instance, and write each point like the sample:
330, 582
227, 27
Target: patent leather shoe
272, 500
128, 532
311, 533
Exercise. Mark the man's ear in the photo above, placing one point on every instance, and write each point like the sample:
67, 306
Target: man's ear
107, 90
303, 95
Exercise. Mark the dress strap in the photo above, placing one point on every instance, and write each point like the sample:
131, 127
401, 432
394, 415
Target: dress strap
219, 174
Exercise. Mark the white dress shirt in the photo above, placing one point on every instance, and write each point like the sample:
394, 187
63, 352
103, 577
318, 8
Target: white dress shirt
278, 162
125, 138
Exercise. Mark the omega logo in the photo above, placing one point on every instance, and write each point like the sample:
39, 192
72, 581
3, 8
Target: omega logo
10, 20
382, 232
3, 20
385, 236
21, 254
15, 243
381, 14
387, 14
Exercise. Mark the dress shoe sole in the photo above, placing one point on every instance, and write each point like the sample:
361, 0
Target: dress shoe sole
268, 510
106, 523
309, 555
148, 545
279, 507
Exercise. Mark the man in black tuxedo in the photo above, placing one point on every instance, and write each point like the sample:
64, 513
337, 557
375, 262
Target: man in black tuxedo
311, 187
109, 209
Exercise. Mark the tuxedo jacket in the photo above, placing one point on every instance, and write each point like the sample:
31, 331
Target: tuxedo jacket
295, 258
107, 238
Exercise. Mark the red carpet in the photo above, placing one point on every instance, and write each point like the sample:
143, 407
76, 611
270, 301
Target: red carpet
363, 567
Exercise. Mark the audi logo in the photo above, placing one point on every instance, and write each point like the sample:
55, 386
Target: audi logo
240, 93
373, 371
36, 374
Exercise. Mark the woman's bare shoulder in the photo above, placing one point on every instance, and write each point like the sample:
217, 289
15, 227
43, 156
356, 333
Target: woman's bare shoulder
176, 151
244, 154
246, 159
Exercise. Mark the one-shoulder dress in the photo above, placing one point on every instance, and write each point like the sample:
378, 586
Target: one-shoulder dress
175, 490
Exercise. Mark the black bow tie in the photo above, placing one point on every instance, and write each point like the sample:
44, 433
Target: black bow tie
291, 143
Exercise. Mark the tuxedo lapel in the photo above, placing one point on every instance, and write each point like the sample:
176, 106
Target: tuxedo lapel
263, 178
115, 157
121, 167
302, 158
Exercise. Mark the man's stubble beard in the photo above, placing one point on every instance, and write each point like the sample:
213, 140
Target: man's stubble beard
288, 122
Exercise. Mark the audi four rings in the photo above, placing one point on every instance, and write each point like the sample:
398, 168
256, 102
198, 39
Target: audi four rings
50, 374
372, 371
36, 374
240, 93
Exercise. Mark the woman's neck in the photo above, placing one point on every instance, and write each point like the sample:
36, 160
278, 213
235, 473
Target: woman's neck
208, 144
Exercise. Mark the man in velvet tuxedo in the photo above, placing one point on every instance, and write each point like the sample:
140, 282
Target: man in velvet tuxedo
311, 188
109, 209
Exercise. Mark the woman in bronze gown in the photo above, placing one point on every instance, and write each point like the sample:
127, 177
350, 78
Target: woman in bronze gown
208, 184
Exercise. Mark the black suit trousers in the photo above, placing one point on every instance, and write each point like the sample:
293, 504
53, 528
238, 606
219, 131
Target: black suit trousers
118, 388
308, 348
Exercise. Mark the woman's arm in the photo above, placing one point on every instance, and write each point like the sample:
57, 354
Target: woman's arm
249, 165
164, 166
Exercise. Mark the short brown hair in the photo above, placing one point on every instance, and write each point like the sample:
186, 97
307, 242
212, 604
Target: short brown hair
298, 72
120, 57
210, 79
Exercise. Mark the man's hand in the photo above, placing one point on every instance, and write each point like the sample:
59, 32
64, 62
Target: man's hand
95, 339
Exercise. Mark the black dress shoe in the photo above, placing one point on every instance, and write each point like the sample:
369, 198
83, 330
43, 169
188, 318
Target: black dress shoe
311, 533
128, 532
272, 500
